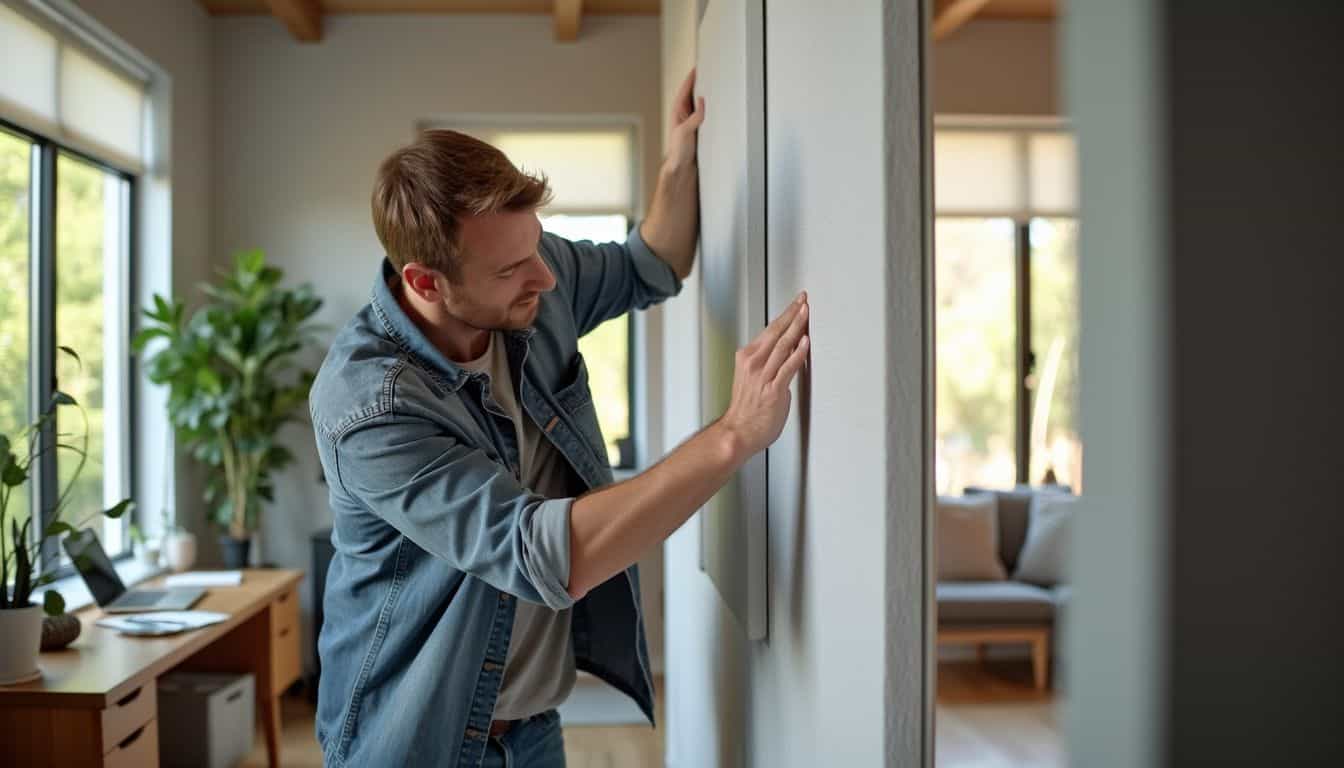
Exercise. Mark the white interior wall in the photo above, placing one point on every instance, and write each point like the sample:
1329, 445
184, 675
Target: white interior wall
301, 130
815, 693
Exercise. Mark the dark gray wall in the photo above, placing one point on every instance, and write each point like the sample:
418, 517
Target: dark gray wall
1254, 103
1210, 585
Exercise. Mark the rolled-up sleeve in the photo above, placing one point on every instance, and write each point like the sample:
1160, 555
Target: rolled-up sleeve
456, 503
606, 280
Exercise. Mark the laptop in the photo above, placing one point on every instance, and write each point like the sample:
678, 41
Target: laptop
107, 588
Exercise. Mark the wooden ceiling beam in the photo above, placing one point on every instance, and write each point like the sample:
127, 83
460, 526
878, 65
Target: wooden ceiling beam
568, 16
950, 15
302, 17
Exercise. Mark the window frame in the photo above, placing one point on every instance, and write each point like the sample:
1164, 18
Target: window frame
42, 348
1021, 129
578, 123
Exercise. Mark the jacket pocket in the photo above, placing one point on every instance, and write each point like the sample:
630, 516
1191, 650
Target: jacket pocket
575, 395
576, 401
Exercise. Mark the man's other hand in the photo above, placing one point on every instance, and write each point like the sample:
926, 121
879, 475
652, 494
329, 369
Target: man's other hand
764, 370
687, 115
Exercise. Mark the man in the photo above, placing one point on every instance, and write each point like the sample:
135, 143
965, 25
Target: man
482, 553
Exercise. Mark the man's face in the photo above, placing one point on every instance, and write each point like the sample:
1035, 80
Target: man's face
502, 274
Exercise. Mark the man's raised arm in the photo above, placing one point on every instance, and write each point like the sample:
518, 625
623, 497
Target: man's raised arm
673, 223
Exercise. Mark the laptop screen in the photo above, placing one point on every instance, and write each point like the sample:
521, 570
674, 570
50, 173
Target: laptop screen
92, 563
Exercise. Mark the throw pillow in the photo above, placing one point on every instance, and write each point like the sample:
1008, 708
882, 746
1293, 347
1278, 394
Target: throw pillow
1014, 511
1044, 557
967, 537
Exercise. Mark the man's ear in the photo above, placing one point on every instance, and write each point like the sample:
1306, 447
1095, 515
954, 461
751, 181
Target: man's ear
422, 281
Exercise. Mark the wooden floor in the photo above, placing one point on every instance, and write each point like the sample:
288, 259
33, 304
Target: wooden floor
990, 716
987, 717
629, 746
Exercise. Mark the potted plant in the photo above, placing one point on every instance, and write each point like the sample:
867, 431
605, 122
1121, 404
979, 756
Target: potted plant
146, 550
20, 572
233, 382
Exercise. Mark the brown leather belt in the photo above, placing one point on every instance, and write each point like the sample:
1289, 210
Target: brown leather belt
500, 727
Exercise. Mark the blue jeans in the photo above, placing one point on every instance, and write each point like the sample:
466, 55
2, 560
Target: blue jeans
533, 743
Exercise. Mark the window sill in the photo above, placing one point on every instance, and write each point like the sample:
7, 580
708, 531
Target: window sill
77, 596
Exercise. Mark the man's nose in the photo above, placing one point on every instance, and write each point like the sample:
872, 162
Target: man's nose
545, 277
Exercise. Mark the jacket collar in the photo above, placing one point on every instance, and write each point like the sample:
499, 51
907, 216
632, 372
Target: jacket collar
408, 336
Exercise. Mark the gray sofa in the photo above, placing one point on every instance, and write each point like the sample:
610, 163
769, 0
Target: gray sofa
985, 613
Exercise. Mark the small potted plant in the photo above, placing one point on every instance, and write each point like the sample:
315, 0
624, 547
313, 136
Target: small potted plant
146, 551
233, 382
20, 572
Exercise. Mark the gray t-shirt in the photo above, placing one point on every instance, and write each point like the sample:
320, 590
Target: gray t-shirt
539, 669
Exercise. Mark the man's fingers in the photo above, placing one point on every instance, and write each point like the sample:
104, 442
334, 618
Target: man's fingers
683, 103
793, 364
787, 341
767, 338
698, 116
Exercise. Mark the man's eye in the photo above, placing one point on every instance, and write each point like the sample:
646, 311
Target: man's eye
506, 274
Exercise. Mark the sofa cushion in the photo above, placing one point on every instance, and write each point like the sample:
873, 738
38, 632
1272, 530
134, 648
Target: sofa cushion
993, 602
1014, 511
1061, 595
966, 536
1044, 555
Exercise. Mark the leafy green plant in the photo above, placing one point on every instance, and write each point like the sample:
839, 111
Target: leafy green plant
20, 573
233, 380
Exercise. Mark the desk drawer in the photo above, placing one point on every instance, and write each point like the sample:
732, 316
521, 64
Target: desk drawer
139, 749
285, 613
131, 711
286, 664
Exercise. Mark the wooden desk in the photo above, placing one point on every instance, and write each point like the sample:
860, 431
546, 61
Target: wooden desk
96, 702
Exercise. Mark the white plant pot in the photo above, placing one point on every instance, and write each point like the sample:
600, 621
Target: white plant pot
179, 550
21, 629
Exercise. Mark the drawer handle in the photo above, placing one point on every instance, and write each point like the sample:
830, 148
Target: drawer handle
235, 695
284, 631
285, 597
126, 742
128, 698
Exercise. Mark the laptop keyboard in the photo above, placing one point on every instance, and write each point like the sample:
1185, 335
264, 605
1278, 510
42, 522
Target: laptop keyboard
142, 598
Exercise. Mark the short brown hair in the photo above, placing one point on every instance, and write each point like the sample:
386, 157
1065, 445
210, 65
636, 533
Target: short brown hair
423, 189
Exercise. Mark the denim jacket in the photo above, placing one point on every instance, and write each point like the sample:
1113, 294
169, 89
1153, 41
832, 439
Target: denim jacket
433, 532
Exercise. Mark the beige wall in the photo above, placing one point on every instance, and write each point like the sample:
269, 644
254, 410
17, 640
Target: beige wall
993, 67
301, 129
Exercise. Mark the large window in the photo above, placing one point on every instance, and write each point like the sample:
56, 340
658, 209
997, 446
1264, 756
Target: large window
64, 263
1006, 272
16, 192
592, 170
71, 125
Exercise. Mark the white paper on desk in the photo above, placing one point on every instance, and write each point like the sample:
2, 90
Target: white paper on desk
133, 622
204, 579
